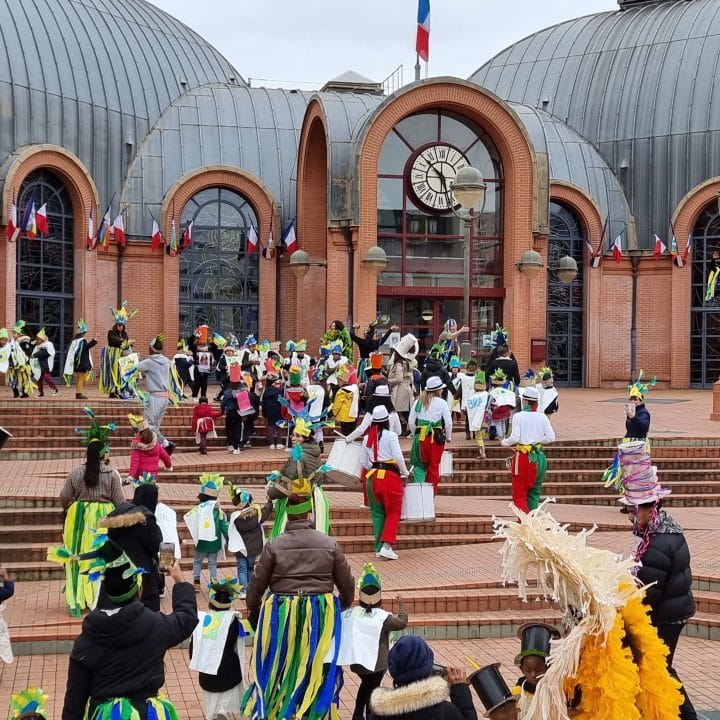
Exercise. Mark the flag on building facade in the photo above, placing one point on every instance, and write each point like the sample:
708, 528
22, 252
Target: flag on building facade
268, 252
118, 230
290, 239
91, 231
41, 220
12, 230
422, 40
187, 237
252, 241
617, 248
28, 224
103, 237
677, 259
660, 247
172, 247
156, 238
596, 260
686, 251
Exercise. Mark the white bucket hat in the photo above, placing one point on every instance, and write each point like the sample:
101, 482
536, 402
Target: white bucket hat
434, 383
382, 391
380, 414
530, 393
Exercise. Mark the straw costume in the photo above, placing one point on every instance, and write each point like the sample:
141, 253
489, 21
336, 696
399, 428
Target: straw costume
611, 664
28, 705
19, 373
110, 381
81, 520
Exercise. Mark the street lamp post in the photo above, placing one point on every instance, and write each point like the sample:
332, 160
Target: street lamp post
635, 256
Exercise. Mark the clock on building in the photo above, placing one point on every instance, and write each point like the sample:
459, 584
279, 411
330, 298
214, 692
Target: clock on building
432, 173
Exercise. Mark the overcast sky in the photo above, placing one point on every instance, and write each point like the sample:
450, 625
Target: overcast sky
304, 43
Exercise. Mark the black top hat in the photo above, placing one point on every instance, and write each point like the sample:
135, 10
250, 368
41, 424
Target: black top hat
4, 436
535, 640
490, 687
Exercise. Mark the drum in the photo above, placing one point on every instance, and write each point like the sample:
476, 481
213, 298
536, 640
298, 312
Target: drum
418, 503
345, 461
446, 464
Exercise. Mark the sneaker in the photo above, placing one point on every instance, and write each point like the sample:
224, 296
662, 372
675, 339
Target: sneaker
236, 452
56, 392
387, 553
248, 444
196, 585
271, 447
230, 448
80, 396
169, 448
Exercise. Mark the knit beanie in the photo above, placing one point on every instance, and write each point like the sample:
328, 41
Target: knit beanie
411, 659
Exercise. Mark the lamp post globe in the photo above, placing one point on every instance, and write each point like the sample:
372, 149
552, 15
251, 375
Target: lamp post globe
375, 260
567, 269
299, 264
530, 263
468, 187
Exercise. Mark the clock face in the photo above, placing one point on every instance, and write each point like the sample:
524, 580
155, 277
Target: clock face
432, 174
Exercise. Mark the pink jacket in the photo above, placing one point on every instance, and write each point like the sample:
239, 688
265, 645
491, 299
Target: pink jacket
146, 458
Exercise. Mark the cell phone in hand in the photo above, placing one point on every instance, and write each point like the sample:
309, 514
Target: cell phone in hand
440, 670
167, 555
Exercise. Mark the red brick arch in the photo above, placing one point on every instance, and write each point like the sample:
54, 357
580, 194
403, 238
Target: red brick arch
265, 207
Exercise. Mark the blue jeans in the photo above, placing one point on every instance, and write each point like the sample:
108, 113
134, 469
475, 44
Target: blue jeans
198, 561
245, 567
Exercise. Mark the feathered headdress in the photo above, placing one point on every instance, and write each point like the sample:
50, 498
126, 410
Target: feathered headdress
223, 588
219, 340
182, 345
29, 703
305, 424
211, 484
500, 336
498, 377
122, 314
301, 345
81, 326
237, 494
96, 432
290, 346
251, 340
19, 327
234, 342
145, 478
41, 335
639, 388
264, 346
156, 344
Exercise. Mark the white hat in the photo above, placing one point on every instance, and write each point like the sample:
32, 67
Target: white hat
434, 383
380, 414
530, 393
407, 346
382, 391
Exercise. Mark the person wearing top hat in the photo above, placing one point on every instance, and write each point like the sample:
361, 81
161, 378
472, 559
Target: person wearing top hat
117, 664
421, 690
374, 378
431, 424
532, 658
365, 637
494, 694
530, 430
28, 705
662, 555
385, 471
79, 361
42, 360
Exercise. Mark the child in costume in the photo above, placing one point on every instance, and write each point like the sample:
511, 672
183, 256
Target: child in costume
335, 361
7, 590
110, 382
346, 404
42, 361
455, 399
217, 649
467, 383
364, 642
476, 411
146, 453
204, 367
4, 350
203, 423
208, 526
499, 702
19, 373
293, 401
246, 536
28, 705
78, 362
271, 407
184, 365
549, 403
502, 404
317, 406
532, 658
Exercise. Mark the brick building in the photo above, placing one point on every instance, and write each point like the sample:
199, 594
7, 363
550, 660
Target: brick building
598, 128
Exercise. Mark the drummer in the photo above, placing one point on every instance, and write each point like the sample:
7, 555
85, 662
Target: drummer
385, 470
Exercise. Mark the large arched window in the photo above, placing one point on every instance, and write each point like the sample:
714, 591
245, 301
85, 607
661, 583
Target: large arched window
422, 285
218, 279
565, 301
45, 265
705, 314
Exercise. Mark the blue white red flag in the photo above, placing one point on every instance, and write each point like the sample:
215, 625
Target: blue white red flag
422, 41
686, 251
252, 241
28, 222
91, 242
677, 259
12, 231
290, 239
103, 237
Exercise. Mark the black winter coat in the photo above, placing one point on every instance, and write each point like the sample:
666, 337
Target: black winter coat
428, 699
508, 366
271, 408
435, 367
82, 356
116, 337
638, 426
248, 525
122, 655
229, 672
667, 563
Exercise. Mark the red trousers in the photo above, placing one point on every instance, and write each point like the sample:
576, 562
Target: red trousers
430, 453
523, 474
387, 492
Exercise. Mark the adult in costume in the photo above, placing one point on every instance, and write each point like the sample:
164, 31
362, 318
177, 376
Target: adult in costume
337, 332
637, 417
400, 374
448, 340
19, 373
530, 430
505, 362
293, 670
431, 424
28, 705
42, 361
385, 471
78, 362
369, 344
117, 664
110, 382
365, 637
610, 665
90, 492
4, 350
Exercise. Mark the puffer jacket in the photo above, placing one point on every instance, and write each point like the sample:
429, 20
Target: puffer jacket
310, 463
147, 458
249, 524
301, 561
122, 654
666, 562
428, 699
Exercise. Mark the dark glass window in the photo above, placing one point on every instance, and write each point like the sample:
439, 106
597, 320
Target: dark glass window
565, 301
218, 279
45, 265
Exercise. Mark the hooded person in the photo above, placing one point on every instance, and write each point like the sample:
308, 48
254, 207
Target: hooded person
291, 596
111, 381
79, 362
116, 666
419, 692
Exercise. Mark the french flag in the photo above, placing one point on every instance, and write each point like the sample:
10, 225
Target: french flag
660, 248
686, 251
422, 41
41, 220
156, 239
28, 222
252, 241
91, 242
118, 230
617, 249
12, 231
187, 237
290, 239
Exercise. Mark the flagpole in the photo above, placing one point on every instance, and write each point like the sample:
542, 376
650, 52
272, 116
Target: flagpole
417, 67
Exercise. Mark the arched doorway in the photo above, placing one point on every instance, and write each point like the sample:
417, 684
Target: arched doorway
565, 301
218, 279
704, 314
45, 270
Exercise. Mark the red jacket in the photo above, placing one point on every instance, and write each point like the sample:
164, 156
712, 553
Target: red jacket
204, 410
146, 458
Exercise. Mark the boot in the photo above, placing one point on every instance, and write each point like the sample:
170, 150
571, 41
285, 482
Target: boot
16, 392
